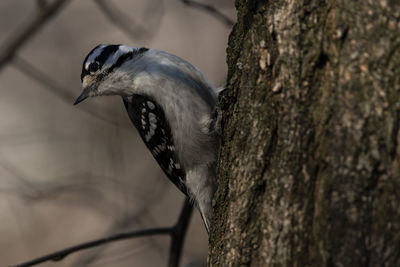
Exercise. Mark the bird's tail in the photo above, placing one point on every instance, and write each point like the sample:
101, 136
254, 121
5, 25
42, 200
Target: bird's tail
206, 222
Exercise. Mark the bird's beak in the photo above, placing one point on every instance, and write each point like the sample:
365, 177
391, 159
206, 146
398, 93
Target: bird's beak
83, 96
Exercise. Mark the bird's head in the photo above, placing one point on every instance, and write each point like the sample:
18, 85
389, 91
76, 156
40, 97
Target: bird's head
103, 70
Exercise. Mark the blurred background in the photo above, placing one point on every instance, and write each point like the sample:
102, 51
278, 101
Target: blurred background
69, 174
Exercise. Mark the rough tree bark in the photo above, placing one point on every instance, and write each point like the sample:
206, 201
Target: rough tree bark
309, 168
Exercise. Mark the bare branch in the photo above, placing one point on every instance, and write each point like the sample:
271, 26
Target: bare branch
177, 233
9, 48
59, 255
178, 236
210, 10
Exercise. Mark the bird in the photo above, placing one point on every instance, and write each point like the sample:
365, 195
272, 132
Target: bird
172, 106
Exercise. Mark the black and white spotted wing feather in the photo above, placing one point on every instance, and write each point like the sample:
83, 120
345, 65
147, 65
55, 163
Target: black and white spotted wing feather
149, 119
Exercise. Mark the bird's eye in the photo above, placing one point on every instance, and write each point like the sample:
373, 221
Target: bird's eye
94, 66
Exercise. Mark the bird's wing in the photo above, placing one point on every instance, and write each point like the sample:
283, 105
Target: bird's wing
149, 119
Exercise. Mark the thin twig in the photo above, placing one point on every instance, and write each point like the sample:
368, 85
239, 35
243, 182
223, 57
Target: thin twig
58, 90
178, 236
13, 43
30, 70
122, 21
177, 233
59, 255
211, 10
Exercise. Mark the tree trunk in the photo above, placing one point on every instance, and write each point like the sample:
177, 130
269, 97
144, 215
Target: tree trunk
309, 168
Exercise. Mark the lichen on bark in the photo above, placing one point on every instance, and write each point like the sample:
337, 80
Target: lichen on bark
309, 164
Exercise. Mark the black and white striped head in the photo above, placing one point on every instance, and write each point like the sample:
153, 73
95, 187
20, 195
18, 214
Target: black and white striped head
101, 63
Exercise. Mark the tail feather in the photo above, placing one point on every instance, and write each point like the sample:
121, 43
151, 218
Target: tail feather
206, 222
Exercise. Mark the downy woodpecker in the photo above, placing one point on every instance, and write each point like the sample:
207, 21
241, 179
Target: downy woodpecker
171, 105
